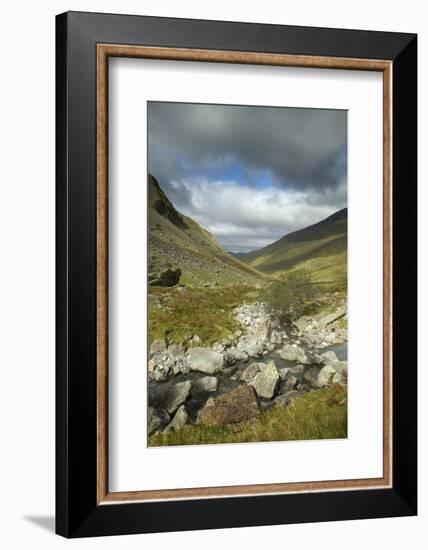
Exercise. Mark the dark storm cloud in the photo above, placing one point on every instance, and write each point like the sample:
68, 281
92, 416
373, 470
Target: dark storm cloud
294, 159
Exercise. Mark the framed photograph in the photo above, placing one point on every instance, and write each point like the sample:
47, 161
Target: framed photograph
236, 274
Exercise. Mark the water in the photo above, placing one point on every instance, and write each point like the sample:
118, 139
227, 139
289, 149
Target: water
226, 382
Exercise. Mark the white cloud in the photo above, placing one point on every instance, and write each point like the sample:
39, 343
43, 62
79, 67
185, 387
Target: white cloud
245, 218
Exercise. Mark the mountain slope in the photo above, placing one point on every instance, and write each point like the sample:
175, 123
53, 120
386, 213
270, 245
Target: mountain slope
178, 241
321, 248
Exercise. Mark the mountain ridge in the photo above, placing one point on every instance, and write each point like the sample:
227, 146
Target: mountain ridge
321, 248
178, 241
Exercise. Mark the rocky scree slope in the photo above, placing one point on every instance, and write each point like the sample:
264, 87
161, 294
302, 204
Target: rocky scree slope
177, 241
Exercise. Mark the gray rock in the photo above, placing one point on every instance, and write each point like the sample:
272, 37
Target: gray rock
228, 357
160, 374
283, 372
218, 347
206, 384
158, 346
237, 354
341, 367
251, 345
311, 376
293, 352
298, 371
328, 318
175, 349
266, 380
289, 383
327, 376
176, 395
228, 371
302, 323
275, 337
179, 420
204, 360
180, 364
329, 357
156, 420
250, 372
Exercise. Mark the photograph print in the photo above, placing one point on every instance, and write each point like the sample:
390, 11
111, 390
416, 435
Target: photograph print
247, 274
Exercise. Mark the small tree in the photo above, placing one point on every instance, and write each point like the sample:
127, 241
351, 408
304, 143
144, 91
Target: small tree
291, 297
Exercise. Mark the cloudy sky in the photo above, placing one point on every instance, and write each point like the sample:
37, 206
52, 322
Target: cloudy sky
249, 174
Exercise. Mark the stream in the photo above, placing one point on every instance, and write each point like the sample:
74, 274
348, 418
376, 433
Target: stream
228, 379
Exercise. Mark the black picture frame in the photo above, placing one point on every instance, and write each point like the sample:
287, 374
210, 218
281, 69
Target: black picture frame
77, 511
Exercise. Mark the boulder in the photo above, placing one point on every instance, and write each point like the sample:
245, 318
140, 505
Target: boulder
170, 397
228, 371
266, 380
293, 352
159, 374
326, 319
169, 277
302, 323
250, 372
179, 420
180, 364
298, 371
175, 349
283, 373
251, 345
162, 363
289, 383
275, 337
237, 354
311, 376
217, 346
237, 406
341, 367
204, 360
327, 376
158, 346
156, 420
206, 384
328, 357
229, 358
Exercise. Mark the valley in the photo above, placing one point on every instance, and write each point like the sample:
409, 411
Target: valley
223, 365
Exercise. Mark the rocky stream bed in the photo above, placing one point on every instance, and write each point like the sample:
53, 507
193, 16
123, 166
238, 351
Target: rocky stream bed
265, 364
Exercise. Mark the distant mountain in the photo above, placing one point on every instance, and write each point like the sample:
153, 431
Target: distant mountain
321, 248
178, 241
237, 254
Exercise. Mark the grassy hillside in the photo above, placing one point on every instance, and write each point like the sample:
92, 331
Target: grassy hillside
320, 248
177, 241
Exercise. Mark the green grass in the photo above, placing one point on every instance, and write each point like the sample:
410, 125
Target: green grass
321, 249
320, 414
208, 312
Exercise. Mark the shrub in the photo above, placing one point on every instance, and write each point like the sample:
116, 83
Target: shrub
291, 297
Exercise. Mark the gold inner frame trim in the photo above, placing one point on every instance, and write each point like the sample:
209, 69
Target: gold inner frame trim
104, 51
